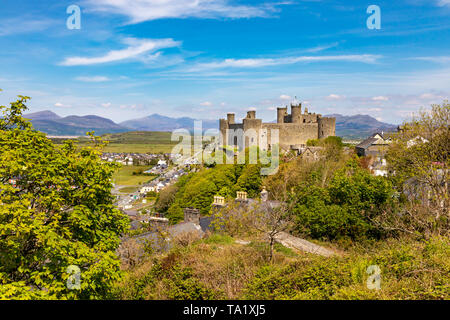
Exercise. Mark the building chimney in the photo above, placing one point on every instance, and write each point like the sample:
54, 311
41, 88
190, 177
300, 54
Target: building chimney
241, 196
191, 215
264, 195
219, 201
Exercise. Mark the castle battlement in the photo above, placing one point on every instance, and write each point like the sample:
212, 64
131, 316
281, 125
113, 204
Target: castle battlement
294, 128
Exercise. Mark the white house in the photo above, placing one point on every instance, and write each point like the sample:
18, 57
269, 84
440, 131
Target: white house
159, 186
146, 189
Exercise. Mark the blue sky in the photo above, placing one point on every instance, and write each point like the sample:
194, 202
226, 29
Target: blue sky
204, 58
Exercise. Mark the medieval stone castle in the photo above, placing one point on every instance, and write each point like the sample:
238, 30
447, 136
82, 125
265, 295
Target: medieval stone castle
294, 129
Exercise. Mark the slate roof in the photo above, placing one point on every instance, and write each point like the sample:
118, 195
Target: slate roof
184, 227
366, 143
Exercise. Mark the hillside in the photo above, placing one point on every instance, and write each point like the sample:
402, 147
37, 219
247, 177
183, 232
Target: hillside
52, 124
139, 137
156, 122
133, 142
203, 269
359, 126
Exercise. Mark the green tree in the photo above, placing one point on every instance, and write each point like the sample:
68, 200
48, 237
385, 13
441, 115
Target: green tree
418, 163
250, 180
56, 211
345, 208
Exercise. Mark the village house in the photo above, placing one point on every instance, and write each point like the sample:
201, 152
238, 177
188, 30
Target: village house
375, 146
146, 189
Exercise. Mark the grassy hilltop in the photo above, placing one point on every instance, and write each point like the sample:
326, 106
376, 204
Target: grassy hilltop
134, 142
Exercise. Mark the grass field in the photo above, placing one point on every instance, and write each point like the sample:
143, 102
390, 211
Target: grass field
140, 137
133, 142
138, 148
124, 176
128, 189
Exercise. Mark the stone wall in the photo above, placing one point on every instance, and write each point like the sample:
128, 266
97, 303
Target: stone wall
191, 215
293, 129
291, 133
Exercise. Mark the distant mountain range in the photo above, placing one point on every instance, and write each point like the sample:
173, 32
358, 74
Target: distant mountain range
359, 126
52, 124
350, 127
156, 122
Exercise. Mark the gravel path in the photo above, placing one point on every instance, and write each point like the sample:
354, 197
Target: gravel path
300, 244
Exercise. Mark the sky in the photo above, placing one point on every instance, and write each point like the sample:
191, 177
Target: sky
204, 58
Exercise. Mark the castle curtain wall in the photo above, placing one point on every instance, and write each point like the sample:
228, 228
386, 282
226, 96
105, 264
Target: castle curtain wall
293, 129
291, 134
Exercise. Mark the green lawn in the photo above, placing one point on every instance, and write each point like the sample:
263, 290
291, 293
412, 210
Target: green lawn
128, 189
138, 148
124, 176
133, 142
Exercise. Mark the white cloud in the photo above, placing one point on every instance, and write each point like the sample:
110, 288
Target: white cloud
61, 105
93, 79
136, 48
124, 106
24, 24
206, 104
106, 105
285, 97
145, 10
380, 98
322, 48
443, 2
265, 62
436, 59
335, 97
431, 96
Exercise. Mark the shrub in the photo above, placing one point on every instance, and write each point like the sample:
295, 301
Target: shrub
345, 208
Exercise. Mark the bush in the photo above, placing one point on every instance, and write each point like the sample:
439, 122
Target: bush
409, 270
199, 193
344, 208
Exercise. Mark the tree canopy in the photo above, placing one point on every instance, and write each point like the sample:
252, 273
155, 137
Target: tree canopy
57, 215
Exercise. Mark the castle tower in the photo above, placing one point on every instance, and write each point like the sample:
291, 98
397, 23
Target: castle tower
281, 112
296, 113
223, 127
251, 114
326, 127
230, 118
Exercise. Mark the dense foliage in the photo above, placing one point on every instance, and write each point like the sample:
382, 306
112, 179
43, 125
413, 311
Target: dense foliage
418, 161
408, 271
197, 190
56, 211
345, 207
217, 268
